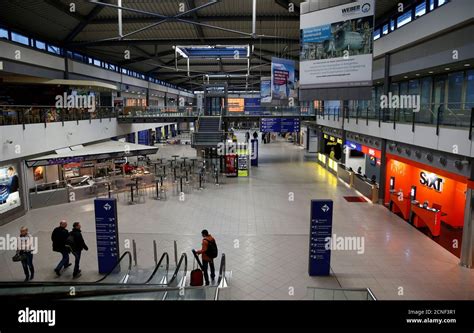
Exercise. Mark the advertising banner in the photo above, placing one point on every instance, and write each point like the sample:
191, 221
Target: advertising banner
235, 104
283, 79
266, 89
337, 51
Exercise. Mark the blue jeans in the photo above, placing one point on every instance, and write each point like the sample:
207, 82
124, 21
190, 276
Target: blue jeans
27, 264
77, 256
64, 260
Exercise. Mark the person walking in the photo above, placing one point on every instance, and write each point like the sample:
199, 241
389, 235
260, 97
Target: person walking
77, 244
247, 136
59, 238
208, 252
255, 135
25, 249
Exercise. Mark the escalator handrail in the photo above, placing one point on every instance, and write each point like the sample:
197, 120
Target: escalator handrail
126, 253
221, 269
175, 274
163, 256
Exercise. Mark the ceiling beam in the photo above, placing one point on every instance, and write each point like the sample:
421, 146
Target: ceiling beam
200, 33
89, 17
65, 9
231, 18
187, 41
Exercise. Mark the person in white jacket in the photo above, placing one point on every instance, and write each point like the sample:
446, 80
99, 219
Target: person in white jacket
25, 248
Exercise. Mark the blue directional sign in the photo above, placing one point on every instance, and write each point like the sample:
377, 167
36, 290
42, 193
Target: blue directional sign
319, 234
279, 125
106, 225
144, 137
290, 125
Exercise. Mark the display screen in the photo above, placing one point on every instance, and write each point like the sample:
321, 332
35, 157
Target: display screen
356, 153
9, 188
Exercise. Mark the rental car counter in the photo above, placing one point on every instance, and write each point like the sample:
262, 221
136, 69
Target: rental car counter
425, 196
365, 186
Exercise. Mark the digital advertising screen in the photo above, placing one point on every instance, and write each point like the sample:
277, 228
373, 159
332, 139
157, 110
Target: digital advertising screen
337, 46
9, 188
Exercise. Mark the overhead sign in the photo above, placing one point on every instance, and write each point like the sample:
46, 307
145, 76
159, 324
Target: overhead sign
283, 79
338, 50
279, 125
319, 237
432, 181
364, 149
106, 225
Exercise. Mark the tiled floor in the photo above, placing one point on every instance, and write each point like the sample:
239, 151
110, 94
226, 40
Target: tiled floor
265, 235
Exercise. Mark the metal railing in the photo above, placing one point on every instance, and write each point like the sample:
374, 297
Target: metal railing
341, 294
439, 115
195, 112
37, 114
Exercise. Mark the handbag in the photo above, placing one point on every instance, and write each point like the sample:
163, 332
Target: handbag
19, 257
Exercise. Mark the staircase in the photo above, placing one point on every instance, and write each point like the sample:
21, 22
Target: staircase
209, 132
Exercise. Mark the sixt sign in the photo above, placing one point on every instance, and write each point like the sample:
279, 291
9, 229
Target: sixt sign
431, 180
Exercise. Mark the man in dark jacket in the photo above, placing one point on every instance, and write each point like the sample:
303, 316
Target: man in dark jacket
77, 246
59, 237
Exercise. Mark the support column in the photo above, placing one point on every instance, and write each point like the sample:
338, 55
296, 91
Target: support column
467, 246
383, 171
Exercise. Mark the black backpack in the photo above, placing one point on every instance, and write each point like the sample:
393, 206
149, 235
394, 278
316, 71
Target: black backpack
211, 251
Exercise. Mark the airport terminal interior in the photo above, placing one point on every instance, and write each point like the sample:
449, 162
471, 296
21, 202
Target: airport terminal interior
227, 150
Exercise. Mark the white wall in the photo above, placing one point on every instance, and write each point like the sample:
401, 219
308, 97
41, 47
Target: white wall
94, 71
30, 56
37, 139
424, 136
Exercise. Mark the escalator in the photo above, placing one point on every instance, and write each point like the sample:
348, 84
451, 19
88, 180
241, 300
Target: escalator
122, 283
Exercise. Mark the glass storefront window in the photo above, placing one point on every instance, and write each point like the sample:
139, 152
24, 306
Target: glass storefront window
469, 90
455, 83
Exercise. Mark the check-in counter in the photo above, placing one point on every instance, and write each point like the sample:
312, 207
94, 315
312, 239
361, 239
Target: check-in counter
426, 217
345, 175
367, 188
400, 203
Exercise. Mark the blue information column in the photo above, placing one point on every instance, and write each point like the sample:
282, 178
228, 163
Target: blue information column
321, 229
254, 152
106, 226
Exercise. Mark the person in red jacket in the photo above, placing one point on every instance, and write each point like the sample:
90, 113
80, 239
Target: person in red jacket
208, 252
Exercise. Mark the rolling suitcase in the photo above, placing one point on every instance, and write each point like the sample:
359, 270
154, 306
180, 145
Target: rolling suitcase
197, 276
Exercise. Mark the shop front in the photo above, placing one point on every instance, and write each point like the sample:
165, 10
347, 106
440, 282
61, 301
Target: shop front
331, 152
429, 198
86, 172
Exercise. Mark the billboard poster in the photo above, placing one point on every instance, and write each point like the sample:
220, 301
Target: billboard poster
9, 188
337, 50
266, 89
283, 79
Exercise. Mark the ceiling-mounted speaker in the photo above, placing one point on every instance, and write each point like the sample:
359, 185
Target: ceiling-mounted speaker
458, 164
